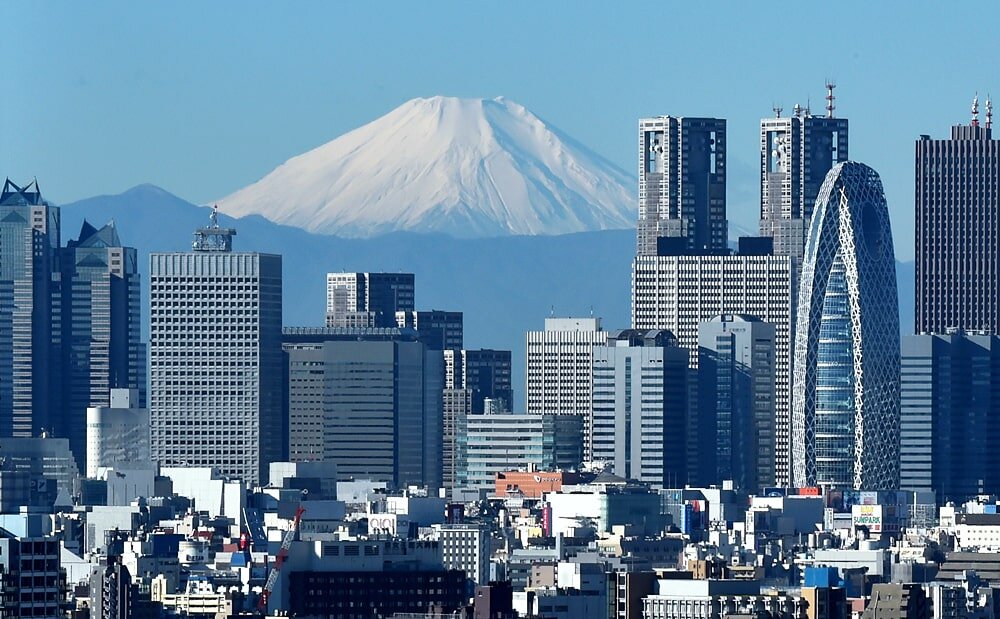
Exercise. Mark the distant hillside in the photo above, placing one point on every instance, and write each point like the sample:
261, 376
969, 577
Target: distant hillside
505, 285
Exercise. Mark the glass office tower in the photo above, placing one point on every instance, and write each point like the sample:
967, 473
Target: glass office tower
845, 395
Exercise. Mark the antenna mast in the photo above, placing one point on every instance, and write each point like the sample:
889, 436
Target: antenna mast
830, 98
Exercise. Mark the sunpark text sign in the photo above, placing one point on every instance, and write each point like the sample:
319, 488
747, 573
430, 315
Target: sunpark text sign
867, 516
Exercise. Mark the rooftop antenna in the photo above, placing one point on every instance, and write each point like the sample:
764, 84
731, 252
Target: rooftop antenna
552, 311
975, 110
214, 237
989, 112
809, 111
777, 110
591, 310
830, 98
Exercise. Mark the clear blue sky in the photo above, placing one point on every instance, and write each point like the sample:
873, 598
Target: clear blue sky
203, 98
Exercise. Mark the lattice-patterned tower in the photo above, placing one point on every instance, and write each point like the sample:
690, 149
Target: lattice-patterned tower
845, 394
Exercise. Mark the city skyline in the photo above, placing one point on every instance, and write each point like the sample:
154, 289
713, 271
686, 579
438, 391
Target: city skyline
351, 393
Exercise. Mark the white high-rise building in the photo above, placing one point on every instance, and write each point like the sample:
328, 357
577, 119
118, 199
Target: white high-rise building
216, 378
560, 363
466, 547
678, 292
640, 407
117, 434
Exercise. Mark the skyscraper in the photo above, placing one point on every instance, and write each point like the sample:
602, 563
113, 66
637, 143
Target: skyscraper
216, 370
736, 400
485, 372
367, 299
29, 346
560, 367
845, 396
682, 182
439, 329
100, 343
372, 400
958, 229
640, 383
950, 415
796, 152
679, 292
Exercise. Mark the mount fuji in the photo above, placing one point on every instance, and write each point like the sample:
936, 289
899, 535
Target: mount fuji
468, 168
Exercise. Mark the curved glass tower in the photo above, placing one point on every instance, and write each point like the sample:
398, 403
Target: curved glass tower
845, 389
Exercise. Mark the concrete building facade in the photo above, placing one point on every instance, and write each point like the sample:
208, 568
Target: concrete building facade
117, 434
491, 444
369, 401
679, 292
560, 363
367, 299
796, 152
29, 342
216, 372
100, 317
682, 182
439, 329
950, 415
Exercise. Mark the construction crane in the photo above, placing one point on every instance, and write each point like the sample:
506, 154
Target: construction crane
279, 559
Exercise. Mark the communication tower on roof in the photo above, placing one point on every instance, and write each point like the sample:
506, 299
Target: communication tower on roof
830, 98
213, 238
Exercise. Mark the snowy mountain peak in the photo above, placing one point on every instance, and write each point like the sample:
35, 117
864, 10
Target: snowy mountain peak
464, 167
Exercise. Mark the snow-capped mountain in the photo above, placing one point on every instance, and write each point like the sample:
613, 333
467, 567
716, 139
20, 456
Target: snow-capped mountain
464, 167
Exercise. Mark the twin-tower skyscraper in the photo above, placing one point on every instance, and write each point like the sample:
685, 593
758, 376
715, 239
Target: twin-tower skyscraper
822, 272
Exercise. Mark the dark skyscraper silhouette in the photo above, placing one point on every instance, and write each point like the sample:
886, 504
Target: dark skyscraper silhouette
957, 234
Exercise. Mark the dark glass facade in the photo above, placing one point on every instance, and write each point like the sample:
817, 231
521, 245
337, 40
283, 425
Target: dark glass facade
361, 595
958, 232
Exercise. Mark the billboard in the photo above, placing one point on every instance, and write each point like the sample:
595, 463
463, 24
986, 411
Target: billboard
867, 516
383, 524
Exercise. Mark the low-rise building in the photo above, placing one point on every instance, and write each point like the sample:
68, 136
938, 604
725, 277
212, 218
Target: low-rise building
711, 599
